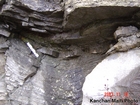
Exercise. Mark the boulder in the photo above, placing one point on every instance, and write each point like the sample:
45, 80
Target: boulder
125, 31
117, 73
38, 16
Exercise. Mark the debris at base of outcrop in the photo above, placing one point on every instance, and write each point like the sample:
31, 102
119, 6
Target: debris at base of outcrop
128, 38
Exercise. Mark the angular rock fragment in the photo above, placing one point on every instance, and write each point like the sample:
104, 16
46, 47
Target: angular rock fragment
125, 44
5, 45
128, 38
74, 52
70, 55
4, 32
125, 31
49, 51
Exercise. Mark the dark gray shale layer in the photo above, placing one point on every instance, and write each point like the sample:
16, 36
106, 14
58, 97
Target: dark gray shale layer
70, 37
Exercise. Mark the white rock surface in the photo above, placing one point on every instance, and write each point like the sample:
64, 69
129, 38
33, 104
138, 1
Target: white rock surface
118, 72
125, 31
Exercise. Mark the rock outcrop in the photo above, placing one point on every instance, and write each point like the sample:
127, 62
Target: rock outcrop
48, 47
117, 73
39, 16
94, 10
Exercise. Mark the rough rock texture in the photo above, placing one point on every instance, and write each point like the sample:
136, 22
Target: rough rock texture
28, 80
93, 10
19, 66
3, 92
32, 92
48, 47
39, 16
116, 73
57, 92
128, 38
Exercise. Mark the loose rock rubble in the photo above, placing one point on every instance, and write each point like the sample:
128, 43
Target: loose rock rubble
127, 39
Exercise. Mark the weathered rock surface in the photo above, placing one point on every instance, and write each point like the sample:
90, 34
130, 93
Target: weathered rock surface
93, 10
3, 92
128, 38
19, 66
125, 31
57, 92
48, 51
39, 16
117, 73
32, 93
28, 80
4, 32
48, 47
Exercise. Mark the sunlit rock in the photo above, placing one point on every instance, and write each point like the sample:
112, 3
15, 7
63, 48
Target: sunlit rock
118, 72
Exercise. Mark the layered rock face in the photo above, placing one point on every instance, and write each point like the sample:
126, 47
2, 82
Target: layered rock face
39, 16
48, 47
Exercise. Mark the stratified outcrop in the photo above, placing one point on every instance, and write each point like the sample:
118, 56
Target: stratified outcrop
48, 47
39, 16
